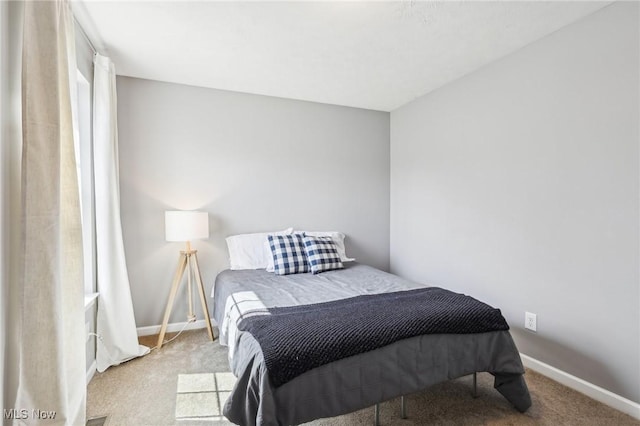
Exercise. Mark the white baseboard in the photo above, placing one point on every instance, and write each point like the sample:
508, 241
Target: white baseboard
596, 392
91, 371
173, 327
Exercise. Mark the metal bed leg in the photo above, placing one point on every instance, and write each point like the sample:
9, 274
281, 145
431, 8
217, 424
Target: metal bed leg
376, 416
475, 385
403, 407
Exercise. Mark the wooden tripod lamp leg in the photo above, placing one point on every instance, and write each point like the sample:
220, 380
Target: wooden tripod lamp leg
177, 279
203, 297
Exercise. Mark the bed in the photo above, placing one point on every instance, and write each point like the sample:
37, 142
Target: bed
355, 382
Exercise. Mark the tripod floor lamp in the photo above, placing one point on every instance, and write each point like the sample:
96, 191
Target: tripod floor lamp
185, 226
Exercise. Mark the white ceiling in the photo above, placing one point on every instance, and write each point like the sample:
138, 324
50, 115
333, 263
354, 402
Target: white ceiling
374, 55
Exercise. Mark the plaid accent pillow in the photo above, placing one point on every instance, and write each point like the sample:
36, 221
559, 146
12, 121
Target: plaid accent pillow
322, 254
288, 254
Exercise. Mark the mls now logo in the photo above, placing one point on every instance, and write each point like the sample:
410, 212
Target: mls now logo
24, 414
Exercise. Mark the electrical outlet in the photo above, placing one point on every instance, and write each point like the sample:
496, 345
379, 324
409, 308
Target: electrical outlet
530, 321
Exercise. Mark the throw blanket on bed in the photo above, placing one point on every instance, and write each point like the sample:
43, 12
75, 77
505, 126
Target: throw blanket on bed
297, 339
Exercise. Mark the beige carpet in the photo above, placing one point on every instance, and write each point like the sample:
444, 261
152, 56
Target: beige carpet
144, 392
201, 396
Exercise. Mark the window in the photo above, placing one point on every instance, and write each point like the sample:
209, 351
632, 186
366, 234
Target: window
84, 165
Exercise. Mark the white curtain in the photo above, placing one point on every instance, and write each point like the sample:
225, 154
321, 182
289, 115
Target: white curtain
116, 324
50, 291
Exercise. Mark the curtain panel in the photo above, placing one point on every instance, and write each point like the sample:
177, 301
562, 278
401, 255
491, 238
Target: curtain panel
116, 323
50, 287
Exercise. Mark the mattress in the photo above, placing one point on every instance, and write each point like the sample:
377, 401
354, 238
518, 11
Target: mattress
355, 382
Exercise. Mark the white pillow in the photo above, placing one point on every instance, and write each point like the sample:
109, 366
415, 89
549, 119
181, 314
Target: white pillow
338, 238
271, 267
247, 251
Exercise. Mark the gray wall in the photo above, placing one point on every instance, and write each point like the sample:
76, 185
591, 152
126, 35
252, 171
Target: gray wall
519, 184
255, 163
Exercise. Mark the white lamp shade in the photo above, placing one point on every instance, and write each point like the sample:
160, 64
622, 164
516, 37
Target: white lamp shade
186, 225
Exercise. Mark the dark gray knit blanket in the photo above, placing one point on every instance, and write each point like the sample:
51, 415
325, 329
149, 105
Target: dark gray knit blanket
297, 339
